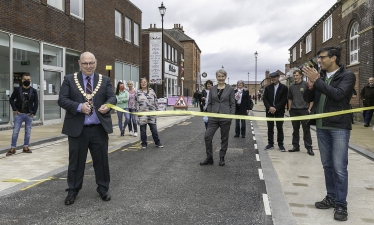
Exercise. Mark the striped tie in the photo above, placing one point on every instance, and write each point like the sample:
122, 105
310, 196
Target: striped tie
89, 91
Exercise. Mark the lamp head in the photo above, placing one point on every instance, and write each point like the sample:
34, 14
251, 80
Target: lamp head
162, 9
256, 54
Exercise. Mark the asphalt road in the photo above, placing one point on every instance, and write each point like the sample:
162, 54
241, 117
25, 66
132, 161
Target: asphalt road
156, 186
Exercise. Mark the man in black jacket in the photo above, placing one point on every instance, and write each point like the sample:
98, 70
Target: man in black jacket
275, 100
331, 91
87, 123
367, 96
24, 101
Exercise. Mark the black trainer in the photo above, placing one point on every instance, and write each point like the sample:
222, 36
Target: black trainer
340, 213
326, 203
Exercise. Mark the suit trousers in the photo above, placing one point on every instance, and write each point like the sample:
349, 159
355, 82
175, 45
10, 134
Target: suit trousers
279, 124
94, 138
296, 127
213, 125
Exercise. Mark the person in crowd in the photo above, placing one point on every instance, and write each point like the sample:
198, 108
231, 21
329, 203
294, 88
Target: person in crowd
367, 96
331, 91
204, 99
298, 107
275, 100
243, 105
197, 98
87, 123
146, 101
354, 95
24, 102
122, 96
132, 108
221, 100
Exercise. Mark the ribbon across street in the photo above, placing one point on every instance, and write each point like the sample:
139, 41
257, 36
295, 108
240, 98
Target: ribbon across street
242, 117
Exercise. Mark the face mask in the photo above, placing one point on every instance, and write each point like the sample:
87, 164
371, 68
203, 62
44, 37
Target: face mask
26, 83
122, 88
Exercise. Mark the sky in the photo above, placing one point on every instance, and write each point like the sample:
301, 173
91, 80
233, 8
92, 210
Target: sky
229, 32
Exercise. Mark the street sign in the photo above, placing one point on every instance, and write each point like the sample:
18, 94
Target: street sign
181, 103
204, 75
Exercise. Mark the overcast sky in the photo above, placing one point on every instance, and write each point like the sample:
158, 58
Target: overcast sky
229, 32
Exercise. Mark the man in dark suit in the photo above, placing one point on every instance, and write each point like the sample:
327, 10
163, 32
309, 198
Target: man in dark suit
24, 101
275, 100
87, 123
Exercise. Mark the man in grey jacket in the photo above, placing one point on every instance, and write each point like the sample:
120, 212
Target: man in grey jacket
331, 91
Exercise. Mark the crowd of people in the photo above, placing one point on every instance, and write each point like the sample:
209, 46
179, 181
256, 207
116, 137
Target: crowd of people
87, 123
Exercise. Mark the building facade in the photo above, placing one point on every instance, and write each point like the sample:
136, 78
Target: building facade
350, 25
46, 38
152, 61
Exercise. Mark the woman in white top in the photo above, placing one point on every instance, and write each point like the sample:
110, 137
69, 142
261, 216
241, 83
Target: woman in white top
132, 108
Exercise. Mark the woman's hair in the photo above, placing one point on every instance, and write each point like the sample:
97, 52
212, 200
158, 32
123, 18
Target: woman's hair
240, 81
146, 81
118, 85
130, 81
208, 82
222, 71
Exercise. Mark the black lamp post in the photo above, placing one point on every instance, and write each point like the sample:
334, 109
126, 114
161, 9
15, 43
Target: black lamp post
248, 81
256, 54
162, 10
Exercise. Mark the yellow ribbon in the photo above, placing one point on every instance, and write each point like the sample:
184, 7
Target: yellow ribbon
17, 180
242, 117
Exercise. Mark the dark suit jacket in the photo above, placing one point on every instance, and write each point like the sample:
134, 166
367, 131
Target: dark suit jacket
280, 98
245, 104
224, 105
15, 100
70, 98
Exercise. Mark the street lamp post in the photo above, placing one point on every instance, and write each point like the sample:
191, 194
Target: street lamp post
182, 79
256, 54
248, 81
162, 10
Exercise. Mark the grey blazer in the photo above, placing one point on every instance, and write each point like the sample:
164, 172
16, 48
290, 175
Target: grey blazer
70, 97
224, 105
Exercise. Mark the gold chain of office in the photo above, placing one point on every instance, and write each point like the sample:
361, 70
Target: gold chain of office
88, 96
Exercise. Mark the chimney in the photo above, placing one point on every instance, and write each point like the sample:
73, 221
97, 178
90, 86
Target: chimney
154, 25
150, 26
267, 73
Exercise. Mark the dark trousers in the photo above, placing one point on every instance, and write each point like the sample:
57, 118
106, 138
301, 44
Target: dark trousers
213, 125
296, 127
239, 129
368, 114
143, 134
279, 124
95, 139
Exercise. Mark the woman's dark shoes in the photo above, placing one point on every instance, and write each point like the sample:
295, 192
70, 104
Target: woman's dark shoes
207, 161
122, 133
69, 200
106, 196
221, 161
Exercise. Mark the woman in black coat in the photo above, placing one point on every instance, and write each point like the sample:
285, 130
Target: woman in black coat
243, 105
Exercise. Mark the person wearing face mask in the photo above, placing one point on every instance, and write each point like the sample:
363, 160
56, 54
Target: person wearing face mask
122, 101
243, 105
24, 101
367, 96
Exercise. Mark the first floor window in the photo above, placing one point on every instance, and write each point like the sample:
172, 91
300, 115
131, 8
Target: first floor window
353, 43
58, 4
308, 43
76, 8
127, 29
327, 29
136, 34
118, 24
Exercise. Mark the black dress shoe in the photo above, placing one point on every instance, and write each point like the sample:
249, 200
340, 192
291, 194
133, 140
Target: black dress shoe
236, 135
294, 149
310, 151
207, 161
221, 161
106, 196
69, 200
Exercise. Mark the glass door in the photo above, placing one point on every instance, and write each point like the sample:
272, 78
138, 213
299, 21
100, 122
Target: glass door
51, 87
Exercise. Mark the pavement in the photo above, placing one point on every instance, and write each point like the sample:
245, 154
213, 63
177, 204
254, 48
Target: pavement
294, 181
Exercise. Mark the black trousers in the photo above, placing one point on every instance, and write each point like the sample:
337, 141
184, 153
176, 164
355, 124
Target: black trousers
296, 127
94, 138
213, 125
239, 129
279, 125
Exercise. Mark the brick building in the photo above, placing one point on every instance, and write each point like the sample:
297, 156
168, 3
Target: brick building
348, 24
46, 38
152, 62
191, 62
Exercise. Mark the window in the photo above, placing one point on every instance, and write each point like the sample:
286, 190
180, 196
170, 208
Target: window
301, 48
353, 43
127, 29
165, 50
327, 29
169, 52
118, 24
136, 34
176, 55
294, 54
59, 4
172, 54
308, 43
76, 8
